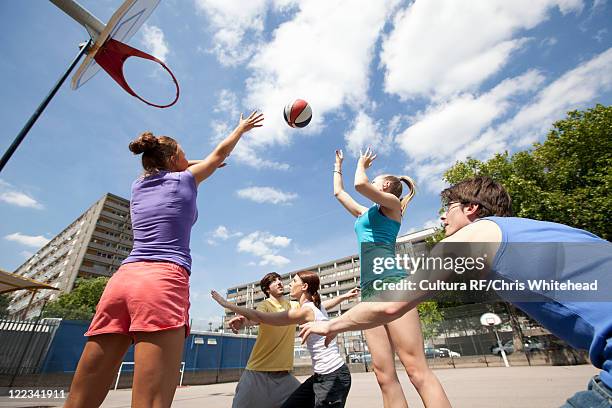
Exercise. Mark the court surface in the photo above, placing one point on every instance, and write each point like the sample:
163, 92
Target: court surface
541, 386
500, 387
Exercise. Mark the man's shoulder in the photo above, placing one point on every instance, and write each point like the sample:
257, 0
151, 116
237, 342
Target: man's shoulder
479, 231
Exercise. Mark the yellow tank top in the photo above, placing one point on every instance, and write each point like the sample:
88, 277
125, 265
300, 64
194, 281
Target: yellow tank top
273, 350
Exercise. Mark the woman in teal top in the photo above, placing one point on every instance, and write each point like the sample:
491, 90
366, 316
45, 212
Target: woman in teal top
380, 224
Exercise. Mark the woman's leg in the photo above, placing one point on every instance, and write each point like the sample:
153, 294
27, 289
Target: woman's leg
157, 360
383, 361
407, 338
96, 370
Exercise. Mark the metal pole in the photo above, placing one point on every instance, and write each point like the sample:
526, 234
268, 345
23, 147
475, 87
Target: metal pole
9, 152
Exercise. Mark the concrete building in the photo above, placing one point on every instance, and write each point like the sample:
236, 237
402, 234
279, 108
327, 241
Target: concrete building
337, 277
92, 245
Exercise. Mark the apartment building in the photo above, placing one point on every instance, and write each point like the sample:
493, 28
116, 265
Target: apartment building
93, 245
337, 277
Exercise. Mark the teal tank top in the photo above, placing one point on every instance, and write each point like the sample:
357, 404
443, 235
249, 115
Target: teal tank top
374, 227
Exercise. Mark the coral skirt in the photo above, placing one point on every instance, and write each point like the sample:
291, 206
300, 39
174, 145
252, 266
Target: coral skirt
143, 297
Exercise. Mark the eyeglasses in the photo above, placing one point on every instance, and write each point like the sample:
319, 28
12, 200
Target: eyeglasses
448, 206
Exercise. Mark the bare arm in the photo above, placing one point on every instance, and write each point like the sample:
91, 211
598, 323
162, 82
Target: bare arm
341, 195
192, 162
365, 188
333, 302
484, 236
291, 316
205, 168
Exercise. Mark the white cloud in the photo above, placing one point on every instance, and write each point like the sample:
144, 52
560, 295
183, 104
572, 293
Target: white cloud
35, 241
265, 246
20, 199
244, 152
366, 132
318, 56
438, 48
154, 41
450, 131
601, 34
233, 23
266, 195
573, 90
227, 104
10, 195
221, 232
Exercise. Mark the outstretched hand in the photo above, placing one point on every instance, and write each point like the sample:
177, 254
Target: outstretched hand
367, 158
322, 328
254, 120
218, 298
339, 157
237, 323
351, 293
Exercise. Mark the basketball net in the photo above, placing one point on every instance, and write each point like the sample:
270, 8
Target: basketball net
113, 55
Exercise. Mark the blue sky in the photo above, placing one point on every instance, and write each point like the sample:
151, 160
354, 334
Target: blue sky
426, 83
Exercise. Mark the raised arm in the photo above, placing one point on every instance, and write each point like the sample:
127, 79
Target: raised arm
333, 302
365, 188
202, 169
345, 199
291, 316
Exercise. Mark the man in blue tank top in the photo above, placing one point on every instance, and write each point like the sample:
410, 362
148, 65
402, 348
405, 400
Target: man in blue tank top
479, 211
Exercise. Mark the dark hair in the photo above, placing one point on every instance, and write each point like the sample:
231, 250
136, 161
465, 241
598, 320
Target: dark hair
266, 281
312, 279
156, 151
395, 188
491, 196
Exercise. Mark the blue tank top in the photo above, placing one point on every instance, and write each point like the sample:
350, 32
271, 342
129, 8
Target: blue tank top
584, 325
163, 210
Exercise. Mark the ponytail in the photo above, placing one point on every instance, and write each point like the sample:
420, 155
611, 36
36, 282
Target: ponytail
316, 299
396, 189
411, 192
312, 279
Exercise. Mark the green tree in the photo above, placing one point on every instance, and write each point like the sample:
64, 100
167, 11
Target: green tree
430, 317
566, 179
5, 300
80, 304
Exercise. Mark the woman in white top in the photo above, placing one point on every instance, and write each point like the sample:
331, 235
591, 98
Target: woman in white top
330, 384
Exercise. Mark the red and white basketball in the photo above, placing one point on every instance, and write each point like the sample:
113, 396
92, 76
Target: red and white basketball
298, 113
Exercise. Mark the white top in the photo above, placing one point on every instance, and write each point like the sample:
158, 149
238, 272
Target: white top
324, 359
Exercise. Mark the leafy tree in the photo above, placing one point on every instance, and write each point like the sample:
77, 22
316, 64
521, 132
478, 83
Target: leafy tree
430, 317
80, 304
567, 179
5, 300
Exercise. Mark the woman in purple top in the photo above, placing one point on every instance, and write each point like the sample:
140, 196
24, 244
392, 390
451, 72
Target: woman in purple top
147, 300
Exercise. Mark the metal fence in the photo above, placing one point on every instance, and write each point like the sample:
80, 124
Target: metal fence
23, 346
460, 340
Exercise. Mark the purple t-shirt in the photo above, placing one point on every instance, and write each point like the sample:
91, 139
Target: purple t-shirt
163, 210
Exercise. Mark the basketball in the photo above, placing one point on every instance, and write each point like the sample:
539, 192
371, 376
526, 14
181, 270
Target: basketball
298, 113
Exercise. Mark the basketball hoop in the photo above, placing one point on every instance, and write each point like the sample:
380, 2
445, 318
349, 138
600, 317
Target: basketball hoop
490, 319
112, 56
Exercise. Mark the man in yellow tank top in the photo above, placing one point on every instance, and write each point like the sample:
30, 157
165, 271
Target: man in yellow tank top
267, 381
